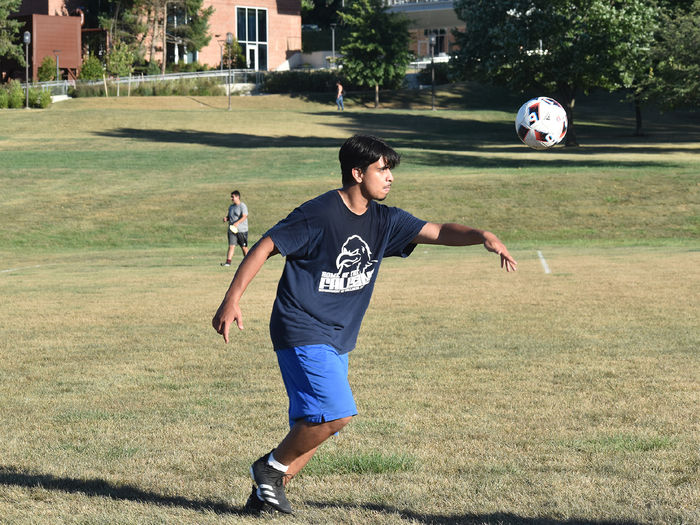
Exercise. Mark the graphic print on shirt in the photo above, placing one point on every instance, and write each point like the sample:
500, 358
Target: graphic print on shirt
355, 268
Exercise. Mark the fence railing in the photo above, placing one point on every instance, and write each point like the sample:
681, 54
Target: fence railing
225, 76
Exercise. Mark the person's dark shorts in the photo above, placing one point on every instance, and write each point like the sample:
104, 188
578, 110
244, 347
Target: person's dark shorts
240, 238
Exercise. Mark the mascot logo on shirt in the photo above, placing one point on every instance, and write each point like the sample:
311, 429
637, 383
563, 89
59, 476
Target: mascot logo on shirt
355, 268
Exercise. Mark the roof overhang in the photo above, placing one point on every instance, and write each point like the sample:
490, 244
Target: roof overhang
428, 15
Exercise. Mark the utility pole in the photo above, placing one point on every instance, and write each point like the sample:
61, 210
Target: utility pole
229, 41
27, 41
432, 69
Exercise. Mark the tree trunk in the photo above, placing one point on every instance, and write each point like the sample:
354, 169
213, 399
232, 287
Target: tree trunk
152, 16
376, 96
568, 100
165, 27
638, 116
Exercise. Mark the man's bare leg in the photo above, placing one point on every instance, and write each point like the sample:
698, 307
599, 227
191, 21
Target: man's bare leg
302, 441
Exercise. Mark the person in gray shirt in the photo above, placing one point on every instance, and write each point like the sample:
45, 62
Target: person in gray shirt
237, 218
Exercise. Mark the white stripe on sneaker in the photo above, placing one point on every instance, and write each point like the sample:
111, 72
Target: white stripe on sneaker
268, 494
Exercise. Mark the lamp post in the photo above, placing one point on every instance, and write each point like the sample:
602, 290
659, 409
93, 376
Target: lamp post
229, 41
432, 69
57, 52
333, 45
221, 51
27, 41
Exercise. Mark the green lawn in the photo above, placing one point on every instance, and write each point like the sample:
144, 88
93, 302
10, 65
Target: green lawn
484, 397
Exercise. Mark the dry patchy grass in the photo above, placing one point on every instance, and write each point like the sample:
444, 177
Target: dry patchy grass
488, 397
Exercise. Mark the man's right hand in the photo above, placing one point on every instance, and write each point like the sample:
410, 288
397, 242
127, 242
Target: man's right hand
225, 316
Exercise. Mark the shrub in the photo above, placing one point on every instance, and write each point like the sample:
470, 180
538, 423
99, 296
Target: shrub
120, 60
15, 94
182, 87
153, 69
238, 60
209, 87
442, 74
4, 99
302, 82
86, 90
44, 99
92, 69
163, 89
34, 95
47, 69
144, 89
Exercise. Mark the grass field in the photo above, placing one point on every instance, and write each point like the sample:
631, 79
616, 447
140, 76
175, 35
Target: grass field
484, 397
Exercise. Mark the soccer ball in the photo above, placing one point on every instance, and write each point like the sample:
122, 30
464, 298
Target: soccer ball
541, 123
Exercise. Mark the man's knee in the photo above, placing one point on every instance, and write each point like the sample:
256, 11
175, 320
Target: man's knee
337, 424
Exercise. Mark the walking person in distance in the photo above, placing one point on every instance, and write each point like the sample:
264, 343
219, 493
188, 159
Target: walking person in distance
237, 219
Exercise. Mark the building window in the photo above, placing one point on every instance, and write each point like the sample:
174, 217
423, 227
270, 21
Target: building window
440, 38
251, 26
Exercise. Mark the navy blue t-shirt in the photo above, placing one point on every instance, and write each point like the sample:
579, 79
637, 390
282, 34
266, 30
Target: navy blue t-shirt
332, 261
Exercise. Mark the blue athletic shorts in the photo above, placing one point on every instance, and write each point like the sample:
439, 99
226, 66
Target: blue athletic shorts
316, 379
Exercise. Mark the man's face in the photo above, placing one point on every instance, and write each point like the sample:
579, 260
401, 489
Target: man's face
236, 199
377, 179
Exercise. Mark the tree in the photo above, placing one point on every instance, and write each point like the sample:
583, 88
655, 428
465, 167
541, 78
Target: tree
675, 78
375, 52
562, 46
47, 69
193, 26
123, 20
635, 64
234, 51
9, 31
120, 60
91, 69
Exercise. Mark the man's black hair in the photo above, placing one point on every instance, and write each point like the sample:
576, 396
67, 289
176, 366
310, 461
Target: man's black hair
359, 151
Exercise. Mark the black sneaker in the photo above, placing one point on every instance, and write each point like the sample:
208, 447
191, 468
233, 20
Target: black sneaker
270, 484
255, 505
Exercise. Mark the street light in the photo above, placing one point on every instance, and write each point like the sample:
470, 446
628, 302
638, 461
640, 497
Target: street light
432, 69
57, 52
27, 41
333, 44
229, 41
221, 50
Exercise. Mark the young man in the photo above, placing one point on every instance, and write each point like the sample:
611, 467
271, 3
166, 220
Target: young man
333, 246
237, 218
339, 96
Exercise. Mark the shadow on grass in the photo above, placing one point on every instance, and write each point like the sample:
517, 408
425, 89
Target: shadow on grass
504, 518
473, 145
12, 476
449, 131
433, 133
97, 487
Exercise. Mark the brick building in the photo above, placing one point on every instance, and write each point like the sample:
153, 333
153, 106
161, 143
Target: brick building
269, 32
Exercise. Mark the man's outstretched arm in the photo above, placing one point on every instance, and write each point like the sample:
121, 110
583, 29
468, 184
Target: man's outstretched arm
452, 234
230, 310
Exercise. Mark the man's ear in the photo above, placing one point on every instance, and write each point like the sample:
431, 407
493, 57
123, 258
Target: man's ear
357, 174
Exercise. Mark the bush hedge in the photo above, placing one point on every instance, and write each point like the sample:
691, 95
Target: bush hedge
12, 96
443, 74
319, 81
181, 87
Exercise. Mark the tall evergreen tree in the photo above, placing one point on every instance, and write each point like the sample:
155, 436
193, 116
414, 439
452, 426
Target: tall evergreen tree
194, 32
